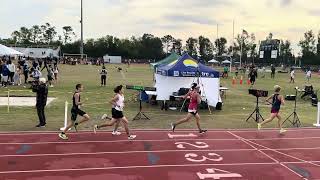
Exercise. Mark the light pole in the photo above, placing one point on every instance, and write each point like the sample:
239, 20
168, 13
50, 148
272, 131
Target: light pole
81, 21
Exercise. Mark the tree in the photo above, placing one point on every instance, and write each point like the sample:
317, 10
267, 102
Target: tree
67, 33
25, 35
48, 33
318, 45
167, 41
285, 52
220, 45
35, 33
205, 48
16, 36
177, 46
191, 47
308, 48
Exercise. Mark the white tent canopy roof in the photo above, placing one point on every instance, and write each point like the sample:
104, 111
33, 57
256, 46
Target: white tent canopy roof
4, 50
226, 62
213, 61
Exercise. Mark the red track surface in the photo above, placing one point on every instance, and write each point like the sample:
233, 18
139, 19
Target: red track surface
246, 154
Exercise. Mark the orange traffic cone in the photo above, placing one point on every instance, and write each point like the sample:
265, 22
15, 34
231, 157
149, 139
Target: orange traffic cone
241, 80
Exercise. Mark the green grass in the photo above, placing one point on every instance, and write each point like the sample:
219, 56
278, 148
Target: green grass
237, 106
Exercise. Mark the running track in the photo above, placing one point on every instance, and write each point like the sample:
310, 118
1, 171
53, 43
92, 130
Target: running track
162, 155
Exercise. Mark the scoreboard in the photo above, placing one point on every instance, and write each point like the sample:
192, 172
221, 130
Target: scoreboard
269, 49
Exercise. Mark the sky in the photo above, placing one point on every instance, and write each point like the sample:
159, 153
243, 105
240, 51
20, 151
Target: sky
286, 19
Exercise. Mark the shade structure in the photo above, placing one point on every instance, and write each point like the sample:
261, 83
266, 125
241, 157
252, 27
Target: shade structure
213, 61
226, 62
6, 51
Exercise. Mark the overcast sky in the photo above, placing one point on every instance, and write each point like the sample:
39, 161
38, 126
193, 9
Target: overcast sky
286, 19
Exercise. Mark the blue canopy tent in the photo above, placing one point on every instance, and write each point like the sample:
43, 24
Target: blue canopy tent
182, 74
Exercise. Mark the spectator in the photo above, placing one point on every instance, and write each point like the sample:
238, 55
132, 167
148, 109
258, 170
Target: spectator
42, 94
5, 74
308, 75
12, 70
25, 71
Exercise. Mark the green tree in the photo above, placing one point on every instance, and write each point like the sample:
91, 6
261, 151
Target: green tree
35, 33
16, 36
48, 33
285, 52
220, 45
167, 41
191, 47
205, 48
25, 34
177, 46
67, 33
308, 48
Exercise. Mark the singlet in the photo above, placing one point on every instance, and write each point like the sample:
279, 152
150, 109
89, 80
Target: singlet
103, 72
74, 105
276, 103
119, 103
193, 105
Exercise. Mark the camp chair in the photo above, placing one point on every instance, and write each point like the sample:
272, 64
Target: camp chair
308, 92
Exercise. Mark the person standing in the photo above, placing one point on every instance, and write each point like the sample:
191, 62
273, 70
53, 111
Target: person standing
103, 74
42, 94
5, 74
56, 72
75, 111
195, 99
292, 76
117, 114
12, 69
25, 71
273, 71
277, 101
308, 75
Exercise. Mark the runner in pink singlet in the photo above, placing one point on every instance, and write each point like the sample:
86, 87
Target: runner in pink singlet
195, 99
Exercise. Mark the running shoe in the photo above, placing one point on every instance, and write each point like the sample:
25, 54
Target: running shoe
282, 131
75, 126
105, 116
63, 136
259, 126
95, 128
116, 133
173, 127
131, 137
202, 131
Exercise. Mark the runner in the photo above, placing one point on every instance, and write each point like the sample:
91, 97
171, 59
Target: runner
75, 111
277, 100
117, 114
195, 99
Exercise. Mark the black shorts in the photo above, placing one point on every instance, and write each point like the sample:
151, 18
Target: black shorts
75, 113
194, 113
116, 114
50, 78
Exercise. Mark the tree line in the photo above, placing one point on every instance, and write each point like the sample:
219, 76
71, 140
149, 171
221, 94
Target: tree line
149, 46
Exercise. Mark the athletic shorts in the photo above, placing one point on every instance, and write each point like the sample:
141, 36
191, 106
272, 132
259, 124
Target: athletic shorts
194, 113
75, 113
116, 114
275, 111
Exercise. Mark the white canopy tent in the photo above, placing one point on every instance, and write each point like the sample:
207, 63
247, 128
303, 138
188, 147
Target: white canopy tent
227, 62
213, 61
182, 74
6, 51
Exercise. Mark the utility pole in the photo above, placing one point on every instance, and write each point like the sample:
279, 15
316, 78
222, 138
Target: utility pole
81, 21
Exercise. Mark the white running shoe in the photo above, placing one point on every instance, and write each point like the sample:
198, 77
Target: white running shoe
105, 116
282, 131
95, 128
131, 137
116, 133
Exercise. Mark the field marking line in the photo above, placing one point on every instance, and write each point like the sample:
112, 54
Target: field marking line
161, 130
276, 161
135, 167
277, 151
243, 139
124, 152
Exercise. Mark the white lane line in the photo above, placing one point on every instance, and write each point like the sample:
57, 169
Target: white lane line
134, 167
125, 152
159, 140
163, 130
279, 152
276, 161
